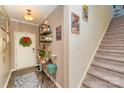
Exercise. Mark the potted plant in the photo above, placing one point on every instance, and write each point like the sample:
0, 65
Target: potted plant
43, 55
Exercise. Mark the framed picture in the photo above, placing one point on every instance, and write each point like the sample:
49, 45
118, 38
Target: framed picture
58, 33
75, 23
2, 21
8, 37
85, 13
3, 45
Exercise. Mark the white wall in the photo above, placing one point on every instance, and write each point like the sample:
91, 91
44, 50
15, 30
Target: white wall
82, 47
5, 64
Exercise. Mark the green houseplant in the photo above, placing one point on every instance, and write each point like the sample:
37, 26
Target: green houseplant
42, 54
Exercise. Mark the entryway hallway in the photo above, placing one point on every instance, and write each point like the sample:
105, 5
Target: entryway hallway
61, 46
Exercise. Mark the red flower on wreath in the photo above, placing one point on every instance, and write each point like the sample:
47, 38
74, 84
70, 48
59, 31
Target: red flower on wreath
25, 41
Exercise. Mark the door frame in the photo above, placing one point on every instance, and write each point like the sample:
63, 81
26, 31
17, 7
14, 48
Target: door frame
15, 49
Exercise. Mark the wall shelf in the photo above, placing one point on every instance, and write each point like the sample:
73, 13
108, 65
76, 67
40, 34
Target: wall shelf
45, 34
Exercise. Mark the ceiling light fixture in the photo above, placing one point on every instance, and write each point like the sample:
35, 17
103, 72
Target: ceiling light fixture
28, 16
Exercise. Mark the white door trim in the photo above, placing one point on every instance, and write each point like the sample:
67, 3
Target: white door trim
15, 50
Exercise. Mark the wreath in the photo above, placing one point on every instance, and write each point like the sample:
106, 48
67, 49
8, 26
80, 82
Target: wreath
25, 41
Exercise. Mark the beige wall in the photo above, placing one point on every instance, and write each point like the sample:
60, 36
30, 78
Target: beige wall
5, 64
55, 19
82, 47
21, 27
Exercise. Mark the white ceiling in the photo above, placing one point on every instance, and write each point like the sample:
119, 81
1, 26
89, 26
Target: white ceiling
39, 12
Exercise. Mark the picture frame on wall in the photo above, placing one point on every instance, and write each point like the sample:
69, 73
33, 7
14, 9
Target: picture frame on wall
75, 23
58, 33
8, 37
3, 45
85, 12
2, 21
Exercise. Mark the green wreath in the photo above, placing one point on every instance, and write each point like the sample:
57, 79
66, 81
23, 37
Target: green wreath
25, 41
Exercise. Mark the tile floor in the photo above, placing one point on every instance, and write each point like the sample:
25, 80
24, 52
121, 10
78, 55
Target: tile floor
44, 80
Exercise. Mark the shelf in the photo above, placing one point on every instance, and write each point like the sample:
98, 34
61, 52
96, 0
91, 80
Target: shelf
45, 41
46, 33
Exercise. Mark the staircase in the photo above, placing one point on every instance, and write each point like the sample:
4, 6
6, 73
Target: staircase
107, 68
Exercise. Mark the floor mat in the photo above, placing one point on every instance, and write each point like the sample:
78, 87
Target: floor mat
29, 80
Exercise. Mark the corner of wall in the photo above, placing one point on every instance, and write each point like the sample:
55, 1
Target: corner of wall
66, 45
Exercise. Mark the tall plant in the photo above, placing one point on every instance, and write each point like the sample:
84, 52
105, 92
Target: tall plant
42, 53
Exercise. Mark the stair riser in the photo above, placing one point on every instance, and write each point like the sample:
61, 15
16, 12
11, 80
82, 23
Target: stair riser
111, 45
103, 60
117, 23
112, 48
112, 42
115, 32
114, 37
112, 51
115, 28
111, 54
117, 20
114, 66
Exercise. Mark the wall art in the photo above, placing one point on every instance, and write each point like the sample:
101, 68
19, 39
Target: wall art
85, 13
58, 33
75, 23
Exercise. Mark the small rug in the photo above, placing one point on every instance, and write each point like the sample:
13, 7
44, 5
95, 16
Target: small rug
29, 80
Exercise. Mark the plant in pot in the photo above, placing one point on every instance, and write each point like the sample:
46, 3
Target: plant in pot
43, 55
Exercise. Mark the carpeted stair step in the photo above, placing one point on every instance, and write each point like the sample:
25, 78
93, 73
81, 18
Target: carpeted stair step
118, 36
112, 58
108, 64
121, 48
120, 25
111, 45
111, 51
115, 29
117, 23
111, 54
117, 19
113, 40
94, 82
114, 33
112, 77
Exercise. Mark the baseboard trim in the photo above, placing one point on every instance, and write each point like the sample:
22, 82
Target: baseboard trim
80, 84
58, 85
7, 81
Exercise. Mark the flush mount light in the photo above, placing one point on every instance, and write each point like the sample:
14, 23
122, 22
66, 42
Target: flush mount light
28, 15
